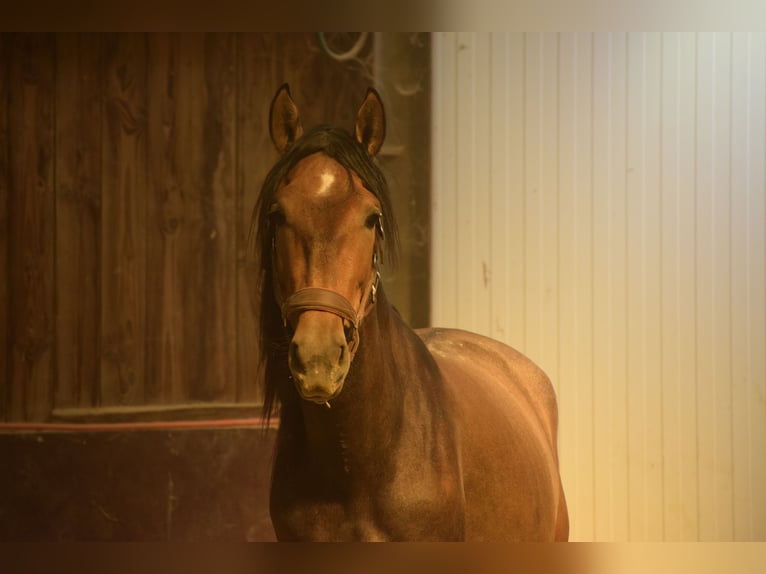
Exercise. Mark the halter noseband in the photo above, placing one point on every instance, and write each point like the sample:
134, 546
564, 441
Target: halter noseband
328, 301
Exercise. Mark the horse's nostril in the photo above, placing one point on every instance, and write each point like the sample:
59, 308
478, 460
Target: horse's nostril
294, 356
342, 354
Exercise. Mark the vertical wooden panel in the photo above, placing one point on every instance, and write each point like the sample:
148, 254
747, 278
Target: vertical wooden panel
748, 377
542, 233
5, 65
722, 303
652, 289
512, 165
582, 342
445, 205
610, 465
677, 307
566, 214
464, 215
497, 187
602, 79
686, 395
78, 218
618, 291
643, 282
713, 366
549, 350
255, 152
704, 283
167, 366
754, 500
31, 205
473, 219
740, 190
574, 262
191, 240
123, 249
217, 234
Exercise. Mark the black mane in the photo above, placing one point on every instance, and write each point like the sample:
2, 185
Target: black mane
343, 148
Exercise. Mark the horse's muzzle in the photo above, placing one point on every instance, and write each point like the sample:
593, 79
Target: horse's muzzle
319, 356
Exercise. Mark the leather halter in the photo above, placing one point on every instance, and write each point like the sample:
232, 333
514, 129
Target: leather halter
328, 301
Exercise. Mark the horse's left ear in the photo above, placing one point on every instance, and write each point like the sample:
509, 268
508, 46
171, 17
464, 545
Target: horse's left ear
370, 128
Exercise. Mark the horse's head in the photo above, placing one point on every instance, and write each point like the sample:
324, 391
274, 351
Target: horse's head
326, 225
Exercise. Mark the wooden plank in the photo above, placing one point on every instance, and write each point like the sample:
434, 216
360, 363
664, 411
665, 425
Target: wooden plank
31, 209
619, 492
636, 302
565, 214
255, 157
740, 172
548, 200
645, 444
610, 465
444, 300
464, 148
511, 164
748, 266
472, 228
602, 150
714, 404
651, 292
756, 302
582, 342
721, 408
705, 343
686, 394
78, 218
190, 241
215, 140
166, 365
123, 223
532, 170
5, 67
678, 420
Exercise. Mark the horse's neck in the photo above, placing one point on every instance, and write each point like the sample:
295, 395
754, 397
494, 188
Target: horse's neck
366, 416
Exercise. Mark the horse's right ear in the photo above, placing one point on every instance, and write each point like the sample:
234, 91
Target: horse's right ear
284, 121
370, 127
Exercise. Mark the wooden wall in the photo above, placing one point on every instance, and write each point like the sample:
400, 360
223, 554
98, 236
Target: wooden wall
129, 166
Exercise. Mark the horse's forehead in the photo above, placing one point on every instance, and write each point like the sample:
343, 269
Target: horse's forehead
320, 180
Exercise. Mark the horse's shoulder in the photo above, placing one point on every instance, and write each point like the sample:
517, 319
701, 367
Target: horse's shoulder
485, 358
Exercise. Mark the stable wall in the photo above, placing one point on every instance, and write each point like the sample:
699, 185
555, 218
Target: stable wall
598, 203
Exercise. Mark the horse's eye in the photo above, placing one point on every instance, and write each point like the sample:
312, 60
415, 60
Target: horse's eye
373, 220
276, 215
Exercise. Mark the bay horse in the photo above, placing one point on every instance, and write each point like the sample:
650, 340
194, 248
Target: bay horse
385, 433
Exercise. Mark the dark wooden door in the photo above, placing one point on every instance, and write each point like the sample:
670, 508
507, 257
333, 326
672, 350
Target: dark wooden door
129, 166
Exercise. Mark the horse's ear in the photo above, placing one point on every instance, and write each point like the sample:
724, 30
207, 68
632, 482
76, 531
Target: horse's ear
284, 121
370, 128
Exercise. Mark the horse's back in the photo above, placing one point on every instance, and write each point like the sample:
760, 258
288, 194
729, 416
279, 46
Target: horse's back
505, 409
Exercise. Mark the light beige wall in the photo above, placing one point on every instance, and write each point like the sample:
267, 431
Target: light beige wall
598, 203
